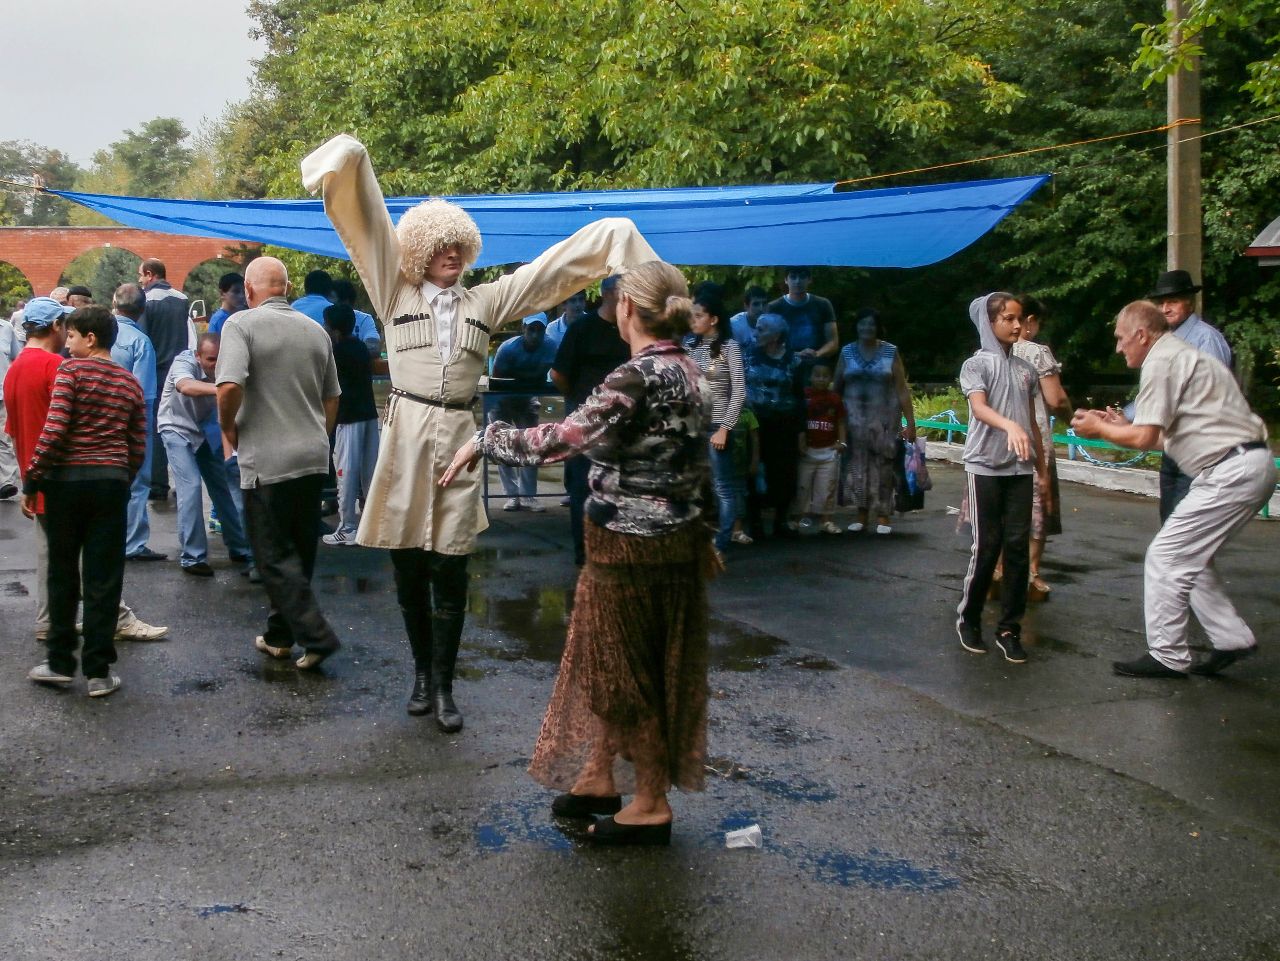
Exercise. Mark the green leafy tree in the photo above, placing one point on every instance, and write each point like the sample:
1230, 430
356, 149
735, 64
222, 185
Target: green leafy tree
1171, 44
27, 163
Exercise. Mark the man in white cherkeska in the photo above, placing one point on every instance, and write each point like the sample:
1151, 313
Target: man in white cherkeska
437, 335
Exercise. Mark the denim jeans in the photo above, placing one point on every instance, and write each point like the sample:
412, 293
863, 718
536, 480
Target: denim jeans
724, 482
355, 452
138, 526
159, 473
190, 465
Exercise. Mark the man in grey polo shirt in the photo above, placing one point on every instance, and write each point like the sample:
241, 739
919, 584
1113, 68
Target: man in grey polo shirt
1189, 401
1175, 295
277, 404
188, 402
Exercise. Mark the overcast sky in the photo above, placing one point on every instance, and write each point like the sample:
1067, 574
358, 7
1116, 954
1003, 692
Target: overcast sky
78, 73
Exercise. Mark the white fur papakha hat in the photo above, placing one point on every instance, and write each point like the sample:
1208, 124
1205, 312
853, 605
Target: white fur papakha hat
428, 228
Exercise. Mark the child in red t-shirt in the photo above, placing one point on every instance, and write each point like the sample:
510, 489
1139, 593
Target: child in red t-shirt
820, 447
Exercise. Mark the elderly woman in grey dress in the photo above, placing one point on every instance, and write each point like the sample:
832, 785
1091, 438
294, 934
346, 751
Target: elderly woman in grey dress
873, 381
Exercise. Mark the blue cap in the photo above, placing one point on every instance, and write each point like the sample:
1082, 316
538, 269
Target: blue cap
43, 312
538, 318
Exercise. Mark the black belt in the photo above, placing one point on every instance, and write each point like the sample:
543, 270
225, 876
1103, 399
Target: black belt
432, 403
1240, 449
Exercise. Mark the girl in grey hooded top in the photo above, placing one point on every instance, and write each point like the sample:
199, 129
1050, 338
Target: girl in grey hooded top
1009, 384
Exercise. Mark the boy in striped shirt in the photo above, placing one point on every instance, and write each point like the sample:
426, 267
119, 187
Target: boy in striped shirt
92, 445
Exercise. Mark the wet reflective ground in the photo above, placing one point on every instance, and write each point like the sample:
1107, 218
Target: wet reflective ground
915, 801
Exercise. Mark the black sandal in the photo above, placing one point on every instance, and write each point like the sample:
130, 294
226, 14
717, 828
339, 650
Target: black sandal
609, 831
585, 805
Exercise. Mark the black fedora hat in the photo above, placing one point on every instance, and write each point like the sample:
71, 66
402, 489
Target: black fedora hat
1173, 283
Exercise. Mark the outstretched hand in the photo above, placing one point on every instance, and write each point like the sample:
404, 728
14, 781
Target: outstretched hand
468, 456
1019, 442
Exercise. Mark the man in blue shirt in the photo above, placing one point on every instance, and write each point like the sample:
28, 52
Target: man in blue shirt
523, 361
231, 290
344, 292
317, 290
743, 324
1175, 295
134, 352
573, 308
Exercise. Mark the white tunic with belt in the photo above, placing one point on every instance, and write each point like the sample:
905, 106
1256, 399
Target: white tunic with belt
406, 508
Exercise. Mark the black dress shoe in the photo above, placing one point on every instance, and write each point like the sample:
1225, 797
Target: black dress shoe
420, 699
7, 491
585, 805
1147, 666
1215, 662
147, 554
198, 569
609, 831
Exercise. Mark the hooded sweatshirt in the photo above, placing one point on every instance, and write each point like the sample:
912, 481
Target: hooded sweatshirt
1009, 383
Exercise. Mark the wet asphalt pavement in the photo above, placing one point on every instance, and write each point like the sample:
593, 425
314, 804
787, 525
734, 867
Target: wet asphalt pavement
916, 801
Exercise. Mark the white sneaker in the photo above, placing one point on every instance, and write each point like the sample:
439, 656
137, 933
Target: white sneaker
339, 539
531, 504
883, 529
43, 674
102, 686
742, 537
139, 630
806, 523
855, 528
830, 528
513, 504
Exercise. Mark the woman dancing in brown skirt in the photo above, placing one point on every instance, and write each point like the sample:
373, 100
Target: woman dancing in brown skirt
629, 708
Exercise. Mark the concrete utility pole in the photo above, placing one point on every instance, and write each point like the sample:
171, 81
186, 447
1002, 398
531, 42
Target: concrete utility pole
1185, 218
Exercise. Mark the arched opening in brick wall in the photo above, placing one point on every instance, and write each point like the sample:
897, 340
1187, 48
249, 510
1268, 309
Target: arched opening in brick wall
102, 270
14, 288
201, 287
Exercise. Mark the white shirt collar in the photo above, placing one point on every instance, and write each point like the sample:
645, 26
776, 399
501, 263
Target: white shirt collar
431, 291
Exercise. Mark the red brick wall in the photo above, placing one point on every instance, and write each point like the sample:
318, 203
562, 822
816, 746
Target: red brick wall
42, 253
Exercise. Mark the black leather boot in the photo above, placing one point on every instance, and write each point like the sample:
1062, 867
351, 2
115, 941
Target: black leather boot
417, 624
420, 699
446, 632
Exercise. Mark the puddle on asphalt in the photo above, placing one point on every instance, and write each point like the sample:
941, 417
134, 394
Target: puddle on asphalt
212, 909
874, 869
1043, 642
483, 556
197, 685
799, 789
536, 623
870, 869
811, 662
738, 648
346, 584
15, 589
526, 821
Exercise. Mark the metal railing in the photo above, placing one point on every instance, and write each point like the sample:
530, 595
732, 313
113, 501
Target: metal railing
951, 424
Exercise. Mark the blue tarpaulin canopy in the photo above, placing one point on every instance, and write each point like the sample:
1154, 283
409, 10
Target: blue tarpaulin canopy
738, 226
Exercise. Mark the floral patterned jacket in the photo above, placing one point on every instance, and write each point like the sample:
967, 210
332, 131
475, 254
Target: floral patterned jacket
643, 430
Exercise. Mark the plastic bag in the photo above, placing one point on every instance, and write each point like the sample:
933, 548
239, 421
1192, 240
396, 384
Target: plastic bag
917, 469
